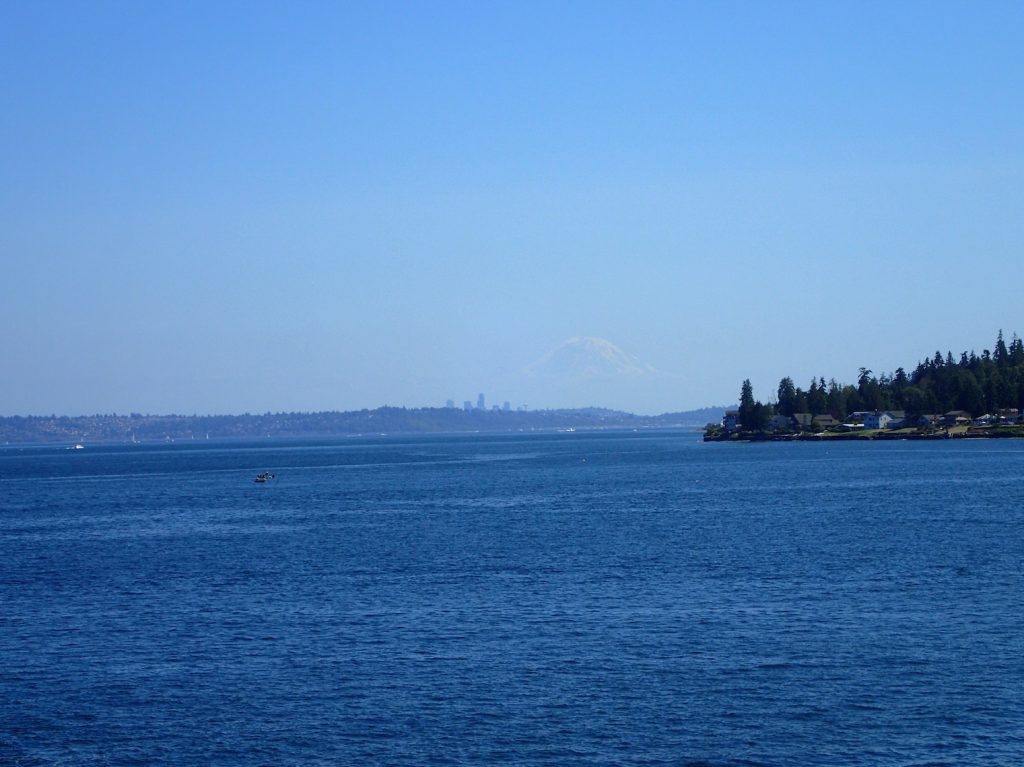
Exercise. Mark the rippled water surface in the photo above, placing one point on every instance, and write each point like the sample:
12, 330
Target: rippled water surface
574, 599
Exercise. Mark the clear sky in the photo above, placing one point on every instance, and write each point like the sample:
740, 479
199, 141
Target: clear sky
220, 207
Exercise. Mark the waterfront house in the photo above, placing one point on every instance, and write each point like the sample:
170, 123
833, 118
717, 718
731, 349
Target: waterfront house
825, 421
731, 420
877, 420
899, 419
956, 418
1009, 415
779, 423
802, 420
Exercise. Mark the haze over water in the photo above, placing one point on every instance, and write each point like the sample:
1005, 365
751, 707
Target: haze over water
220, 208
574, 599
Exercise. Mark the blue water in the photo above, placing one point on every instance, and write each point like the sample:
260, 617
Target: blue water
574, 599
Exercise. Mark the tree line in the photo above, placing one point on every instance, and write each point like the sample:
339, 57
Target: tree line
976, 384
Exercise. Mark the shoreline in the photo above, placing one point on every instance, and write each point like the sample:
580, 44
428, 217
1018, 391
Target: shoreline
881, 436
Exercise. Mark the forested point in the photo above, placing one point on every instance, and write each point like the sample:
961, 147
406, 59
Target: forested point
977, 390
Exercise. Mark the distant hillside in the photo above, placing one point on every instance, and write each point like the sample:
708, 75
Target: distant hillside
391, 420
700, 417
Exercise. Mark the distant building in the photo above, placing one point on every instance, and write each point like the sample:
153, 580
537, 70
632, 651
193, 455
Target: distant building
467, 405
507, 406
877, 420
480, 404
731, 420
450, 404
956, 418
1009, 415
898, 419
803, 420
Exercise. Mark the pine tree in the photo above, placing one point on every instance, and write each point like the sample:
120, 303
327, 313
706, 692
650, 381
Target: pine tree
786, 396
748, 408
1002, 356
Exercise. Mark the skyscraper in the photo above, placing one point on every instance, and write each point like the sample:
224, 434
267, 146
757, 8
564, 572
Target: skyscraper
480, 402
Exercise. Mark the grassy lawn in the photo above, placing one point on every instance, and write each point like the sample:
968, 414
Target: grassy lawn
849, 434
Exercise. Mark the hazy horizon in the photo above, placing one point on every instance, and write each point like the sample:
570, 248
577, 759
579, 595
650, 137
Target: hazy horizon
228, 209
572, 376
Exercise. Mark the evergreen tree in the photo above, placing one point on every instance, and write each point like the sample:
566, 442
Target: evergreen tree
853, 400
762, 414
898, 387
1002, 355
800, 401
748, 408
786, 397
917, 402
816, 402
870, 392
836, 399
1016, 351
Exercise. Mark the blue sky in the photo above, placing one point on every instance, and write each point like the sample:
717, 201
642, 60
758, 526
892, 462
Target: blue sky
229, 207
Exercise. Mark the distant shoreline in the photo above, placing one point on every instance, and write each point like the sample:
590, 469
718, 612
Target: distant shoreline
150, 429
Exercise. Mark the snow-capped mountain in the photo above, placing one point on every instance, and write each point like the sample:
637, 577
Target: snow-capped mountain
588, 357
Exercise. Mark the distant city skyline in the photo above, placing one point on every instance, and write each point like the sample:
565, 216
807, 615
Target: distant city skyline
229, 209
468, 405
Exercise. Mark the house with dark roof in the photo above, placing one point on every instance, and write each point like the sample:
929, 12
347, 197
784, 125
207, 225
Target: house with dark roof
956, 418
802, 420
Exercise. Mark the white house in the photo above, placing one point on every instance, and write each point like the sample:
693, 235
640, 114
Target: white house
876, 420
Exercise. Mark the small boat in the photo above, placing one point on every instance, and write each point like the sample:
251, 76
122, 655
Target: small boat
264, 476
